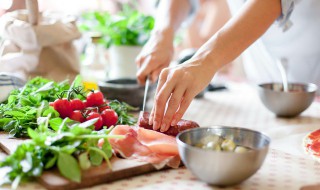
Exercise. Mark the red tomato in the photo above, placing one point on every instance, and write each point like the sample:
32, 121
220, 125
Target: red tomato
51, 104
98, 124
63, 106
77, 104
94, 99
77, 116
109, 117
103, 108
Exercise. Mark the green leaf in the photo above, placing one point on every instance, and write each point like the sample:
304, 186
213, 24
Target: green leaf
15, 113
55, 123
33, 134
52, 161
88, 123
95, 157
48, 86
69, 167
84, 161
107, 148
77, 82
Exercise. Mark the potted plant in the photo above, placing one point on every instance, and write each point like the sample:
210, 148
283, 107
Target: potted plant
123, 34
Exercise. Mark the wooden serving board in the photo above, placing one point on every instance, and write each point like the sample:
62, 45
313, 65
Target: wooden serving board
121, 168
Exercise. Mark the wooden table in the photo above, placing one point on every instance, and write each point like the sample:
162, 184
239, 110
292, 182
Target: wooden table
286, 166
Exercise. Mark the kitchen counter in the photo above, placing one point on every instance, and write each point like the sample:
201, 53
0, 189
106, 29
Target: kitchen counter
286, 166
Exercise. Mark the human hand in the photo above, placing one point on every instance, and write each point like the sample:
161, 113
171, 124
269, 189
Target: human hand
155, 56
176, 88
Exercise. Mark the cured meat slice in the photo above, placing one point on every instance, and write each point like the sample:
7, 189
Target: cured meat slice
146, 145
173, 130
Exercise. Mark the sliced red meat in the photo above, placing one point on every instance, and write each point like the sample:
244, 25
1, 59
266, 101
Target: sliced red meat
146, 145
173, 130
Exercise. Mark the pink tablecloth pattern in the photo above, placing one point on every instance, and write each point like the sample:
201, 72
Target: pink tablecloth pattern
279, 171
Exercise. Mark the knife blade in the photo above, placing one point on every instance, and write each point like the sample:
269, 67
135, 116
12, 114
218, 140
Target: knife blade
146, 88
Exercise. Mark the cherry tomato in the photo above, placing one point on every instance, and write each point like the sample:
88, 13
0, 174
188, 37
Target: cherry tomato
63, 106
98, 124
103, 108
77, 104
77, 116
94, 99
109, 117
51, 104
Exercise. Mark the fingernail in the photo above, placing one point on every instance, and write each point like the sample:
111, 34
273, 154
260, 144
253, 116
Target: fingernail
163, 127
150, 121
155, 125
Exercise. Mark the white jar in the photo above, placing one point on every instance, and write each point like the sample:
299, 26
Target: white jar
122, 61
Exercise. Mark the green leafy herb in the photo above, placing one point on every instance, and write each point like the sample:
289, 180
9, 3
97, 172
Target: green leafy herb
129, 27
75, 146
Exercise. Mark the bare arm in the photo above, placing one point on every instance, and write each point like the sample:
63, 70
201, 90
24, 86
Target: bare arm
179, 85
158, 51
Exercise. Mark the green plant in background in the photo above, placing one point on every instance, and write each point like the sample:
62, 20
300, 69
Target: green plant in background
128, 27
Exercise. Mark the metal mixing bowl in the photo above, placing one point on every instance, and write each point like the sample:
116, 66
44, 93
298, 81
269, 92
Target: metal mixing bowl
287, 104
223, 168
125, 90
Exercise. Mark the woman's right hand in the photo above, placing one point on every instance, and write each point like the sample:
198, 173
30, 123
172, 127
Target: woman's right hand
155, 56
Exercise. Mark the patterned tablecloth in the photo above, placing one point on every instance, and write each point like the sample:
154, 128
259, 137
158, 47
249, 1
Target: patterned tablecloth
286, 166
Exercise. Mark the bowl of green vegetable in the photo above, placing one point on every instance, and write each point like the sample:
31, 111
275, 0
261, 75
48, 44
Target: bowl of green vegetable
222, 155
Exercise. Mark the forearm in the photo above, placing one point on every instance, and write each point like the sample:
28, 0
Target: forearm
239, 33
170, 14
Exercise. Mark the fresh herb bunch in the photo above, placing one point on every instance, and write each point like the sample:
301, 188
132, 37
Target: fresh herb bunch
128, 27
71, 146
123, 109
25, 105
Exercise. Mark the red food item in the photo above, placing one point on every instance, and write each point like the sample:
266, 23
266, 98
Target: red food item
109, 117
173, 130
312, 144
77, 104
101, 108
99, 123
94, 99
63, 106
76, 115
146, 145
51, 104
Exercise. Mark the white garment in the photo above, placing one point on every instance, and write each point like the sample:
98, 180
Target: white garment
294, 36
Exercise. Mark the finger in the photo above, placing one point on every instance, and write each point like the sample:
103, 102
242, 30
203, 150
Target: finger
139, 60
184, 104
145, 69
172, 106
162, 94
155, 74
151, 117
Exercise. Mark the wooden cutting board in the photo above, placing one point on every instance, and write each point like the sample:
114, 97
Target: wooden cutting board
121, 168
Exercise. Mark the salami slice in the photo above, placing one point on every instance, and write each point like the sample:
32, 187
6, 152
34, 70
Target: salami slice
173, 130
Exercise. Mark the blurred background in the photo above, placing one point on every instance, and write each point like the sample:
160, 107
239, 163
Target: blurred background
113, 28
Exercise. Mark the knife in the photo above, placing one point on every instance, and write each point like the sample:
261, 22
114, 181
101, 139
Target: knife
146, 87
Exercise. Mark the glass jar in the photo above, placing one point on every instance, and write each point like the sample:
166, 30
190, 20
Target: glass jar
94, 66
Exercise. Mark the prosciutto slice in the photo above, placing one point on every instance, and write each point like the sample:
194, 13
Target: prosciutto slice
146, 145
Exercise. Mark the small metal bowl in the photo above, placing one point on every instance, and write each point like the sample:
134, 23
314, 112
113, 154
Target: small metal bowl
125, 90
290, 103
223, 168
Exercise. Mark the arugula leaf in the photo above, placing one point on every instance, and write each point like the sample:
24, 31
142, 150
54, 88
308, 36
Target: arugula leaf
69, 167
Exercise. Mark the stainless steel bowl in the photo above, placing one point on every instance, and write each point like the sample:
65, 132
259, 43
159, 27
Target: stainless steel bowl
287, 104
223, 168
125, 90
